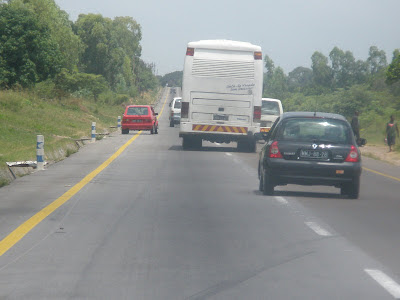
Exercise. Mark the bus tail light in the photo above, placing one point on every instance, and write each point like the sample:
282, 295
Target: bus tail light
189, 51
257, 114
257, 55
185, 110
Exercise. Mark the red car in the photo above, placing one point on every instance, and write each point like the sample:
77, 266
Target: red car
139, 117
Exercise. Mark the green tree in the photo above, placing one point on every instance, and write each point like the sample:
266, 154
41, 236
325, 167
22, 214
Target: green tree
393, 71
376, 60
299, 79
322, 73
343, 67
28, 52
57, 20
95, 31
172, 79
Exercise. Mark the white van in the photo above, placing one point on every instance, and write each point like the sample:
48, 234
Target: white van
175, 111
221, 93
271, 109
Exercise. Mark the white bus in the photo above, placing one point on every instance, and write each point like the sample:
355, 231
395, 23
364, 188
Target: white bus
221, 93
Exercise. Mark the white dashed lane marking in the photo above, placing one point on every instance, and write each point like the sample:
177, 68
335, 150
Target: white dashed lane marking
385, 281
281, 200
318, 229
229, 154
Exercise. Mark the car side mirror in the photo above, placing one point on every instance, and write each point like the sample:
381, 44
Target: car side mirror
361, 142
266, 136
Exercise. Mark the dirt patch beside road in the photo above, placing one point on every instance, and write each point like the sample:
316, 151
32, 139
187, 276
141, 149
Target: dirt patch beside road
381, 153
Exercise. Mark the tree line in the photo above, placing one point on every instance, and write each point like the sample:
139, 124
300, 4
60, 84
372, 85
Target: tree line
40, 47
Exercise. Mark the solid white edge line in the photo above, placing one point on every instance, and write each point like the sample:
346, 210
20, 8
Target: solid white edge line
318, 229
229, 154
281, 200
385, 281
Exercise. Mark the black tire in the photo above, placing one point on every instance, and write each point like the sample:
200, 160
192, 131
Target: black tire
152, 130
261, 183
156, 131
268, 186
124, 131
171, 124
251, 145
241, 146
352, 190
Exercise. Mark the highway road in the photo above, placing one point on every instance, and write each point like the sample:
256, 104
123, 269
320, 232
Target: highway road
137, 217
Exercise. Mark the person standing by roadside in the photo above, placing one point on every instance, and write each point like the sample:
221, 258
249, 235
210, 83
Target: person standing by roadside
355, 125
391, 131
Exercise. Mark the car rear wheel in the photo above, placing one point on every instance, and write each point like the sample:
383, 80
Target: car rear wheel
156, 131
261, 183
152, 130
171, 124
352, 190
125, 131
267, 184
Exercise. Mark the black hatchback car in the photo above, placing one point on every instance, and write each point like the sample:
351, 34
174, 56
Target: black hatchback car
310, 148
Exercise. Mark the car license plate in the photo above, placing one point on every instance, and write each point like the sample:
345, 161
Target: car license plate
137, 121
313, 154
218, 117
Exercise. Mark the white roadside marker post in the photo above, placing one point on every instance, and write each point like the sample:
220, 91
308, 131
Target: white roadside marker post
93, 132
119, 123
40, 152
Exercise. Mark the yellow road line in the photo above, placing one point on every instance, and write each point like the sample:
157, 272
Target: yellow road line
382, 174
23, 229
162, 108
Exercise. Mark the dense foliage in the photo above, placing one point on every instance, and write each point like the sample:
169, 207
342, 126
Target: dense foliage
339, 83
40, 46
172, 79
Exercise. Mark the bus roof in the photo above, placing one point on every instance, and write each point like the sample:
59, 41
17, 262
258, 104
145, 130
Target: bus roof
224, 45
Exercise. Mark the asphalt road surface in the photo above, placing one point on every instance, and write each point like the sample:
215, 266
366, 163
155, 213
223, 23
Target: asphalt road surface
151, 221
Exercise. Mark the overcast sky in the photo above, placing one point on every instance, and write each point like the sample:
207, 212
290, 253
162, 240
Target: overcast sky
289, 31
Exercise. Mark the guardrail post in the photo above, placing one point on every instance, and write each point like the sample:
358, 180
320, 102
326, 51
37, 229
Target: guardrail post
119, 122
40, 152
93, 132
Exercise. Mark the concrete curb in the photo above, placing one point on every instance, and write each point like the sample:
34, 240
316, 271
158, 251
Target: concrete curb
9, 174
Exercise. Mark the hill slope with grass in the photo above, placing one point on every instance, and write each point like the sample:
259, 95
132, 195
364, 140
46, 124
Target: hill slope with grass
23, 116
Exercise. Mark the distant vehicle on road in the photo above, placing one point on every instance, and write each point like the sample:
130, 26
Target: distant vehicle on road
139, 117
175, 111
310, 148
221, 93
271, 109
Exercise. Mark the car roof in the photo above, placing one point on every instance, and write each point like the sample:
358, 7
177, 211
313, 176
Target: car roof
309, 114
138, 105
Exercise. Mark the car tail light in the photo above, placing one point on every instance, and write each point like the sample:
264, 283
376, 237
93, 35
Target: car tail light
189, 51
257, 55
274, 151
353, 155
185, 110
257, 114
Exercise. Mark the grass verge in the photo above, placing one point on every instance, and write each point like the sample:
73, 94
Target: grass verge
23, 116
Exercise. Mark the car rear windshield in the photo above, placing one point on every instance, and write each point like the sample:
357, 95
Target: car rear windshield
177, 104
270, 108
320, 130
137, 111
